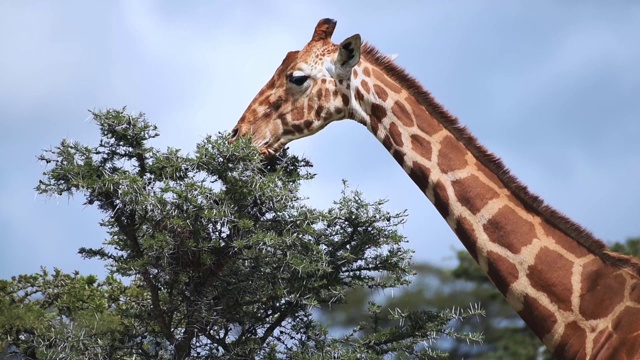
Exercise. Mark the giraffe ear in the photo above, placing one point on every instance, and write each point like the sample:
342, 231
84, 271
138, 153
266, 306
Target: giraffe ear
348, 56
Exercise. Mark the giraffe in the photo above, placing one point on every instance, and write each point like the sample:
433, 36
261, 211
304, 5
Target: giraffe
581, 299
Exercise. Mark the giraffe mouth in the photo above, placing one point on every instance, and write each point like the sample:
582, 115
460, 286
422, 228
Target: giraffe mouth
269, 148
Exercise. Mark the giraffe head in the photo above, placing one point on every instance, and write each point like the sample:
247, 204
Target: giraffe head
309, 89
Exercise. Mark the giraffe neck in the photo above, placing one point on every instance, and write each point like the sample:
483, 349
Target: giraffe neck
553, 280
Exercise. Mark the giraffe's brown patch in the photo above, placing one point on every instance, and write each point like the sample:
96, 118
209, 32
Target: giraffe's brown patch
380, 92
320, 93
340, 82
287, 131
473, 194
309, 108
572, 342
334, 94
396, 135
297, 128
386, 82
399, 155
378, 112
488, 174
564, 241
323, 81
375, 125
467, 235
307, 124
345, 99
421, 146
401, 113
600, 343
451, 156
355, 73
540, 319
359, 96
386, 141
297, 113
424, 121
264, 102
601, 290
626, 327
625, 348
366, 71
319, 111
502, 272
510, 230
420, 175
365, 87
441, 199
551, 274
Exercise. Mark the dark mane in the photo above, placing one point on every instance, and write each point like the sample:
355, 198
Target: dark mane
531, 201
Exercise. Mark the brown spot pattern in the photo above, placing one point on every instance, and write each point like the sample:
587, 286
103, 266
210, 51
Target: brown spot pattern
359, 96
399, 155
355, 74
572, 343
297, 113
387, 142
551, 274
345, 99
602, 289
540, 319
420, 175
401, 113
380, 92
510, 230
563, 240
421, 146
467, 235
365, 87
628, 323
386, 82
441, 199
424, 121
396, 135
473, 194
366, 71
451, 156
502, 272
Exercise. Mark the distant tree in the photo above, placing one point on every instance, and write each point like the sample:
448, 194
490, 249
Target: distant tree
213, 254
630, 247
505, 334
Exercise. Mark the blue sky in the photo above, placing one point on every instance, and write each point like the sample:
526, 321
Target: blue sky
550, 87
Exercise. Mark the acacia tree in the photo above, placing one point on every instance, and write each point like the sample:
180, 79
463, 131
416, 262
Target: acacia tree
211, 254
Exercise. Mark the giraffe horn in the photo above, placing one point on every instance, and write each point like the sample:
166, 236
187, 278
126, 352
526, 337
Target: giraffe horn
324, 30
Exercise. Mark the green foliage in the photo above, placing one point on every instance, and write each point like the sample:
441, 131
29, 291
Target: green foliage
211, 254
630, 247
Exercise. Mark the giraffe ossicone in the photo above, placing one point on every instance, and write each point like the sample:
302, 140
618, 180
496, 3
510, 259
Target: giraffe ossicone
581, 300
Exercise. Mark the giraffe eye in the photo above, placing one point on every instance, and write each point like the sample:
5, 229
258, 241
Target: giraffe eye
298, 80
